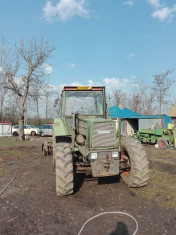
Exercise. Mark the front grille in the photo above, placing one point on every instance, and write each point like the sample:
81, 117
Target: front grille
103, 135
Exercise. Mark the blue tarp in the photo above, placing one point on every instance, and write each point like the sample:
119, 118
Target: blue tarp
116, 112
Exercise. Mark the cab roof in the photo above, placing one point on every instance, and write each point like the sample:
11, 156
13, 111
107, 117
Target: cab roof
83, 88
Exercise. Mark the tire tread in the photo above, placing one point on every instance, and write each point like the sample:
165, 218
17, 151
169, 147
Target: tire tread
139, 163
64, 169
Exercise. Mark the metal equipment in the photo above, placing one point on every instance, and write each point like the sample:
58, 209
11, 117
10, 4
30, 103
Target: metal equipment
165, 138
47, 148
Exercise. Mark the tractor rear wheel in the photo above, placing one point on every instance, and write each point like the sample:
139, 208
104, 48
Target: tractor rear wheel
134, 165
64, 169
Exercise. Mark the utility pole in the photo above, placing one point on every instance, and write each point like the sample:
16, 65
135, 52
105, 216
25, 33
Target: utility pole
46, 106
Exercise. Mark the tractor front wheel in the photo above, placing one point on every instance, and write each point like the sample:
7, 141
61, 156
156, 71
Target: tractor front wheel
64, 169
134, 164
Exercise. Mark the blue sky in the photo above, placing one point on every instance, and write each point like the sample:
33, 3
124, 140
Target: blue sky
115, 43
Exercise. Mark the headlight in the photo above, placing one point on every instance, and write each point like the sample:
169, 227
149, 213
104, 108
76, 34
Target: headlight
115, 154
93, 156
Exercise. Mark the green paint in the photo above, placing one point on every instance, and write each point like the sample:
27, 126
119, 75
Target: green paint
60, 127
152, 135
82, 110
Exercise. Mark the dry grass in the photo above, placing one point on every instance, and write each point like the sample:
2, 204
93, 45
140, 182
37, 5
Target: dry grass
162, 178
11, 142
10, 149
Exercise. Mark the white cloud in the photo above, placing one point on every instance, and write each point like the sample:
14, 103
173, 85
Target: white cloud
65, 10
87, 83
112, 82
129, 3
109, 83
165, 13
125, 81
76, 83
155, 3
135, 85
47, 69
92, 83
52, 87
117, 83
130, 56
71, 65
161, 11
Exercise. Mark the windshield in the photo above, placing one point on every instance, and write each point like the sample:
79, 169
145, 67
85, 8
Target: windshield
84, 102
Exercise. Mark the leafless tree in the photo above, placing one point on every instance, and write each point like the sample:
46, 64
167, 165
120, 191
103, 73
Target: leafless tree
10, 108
161, 84
2, 99
36, 101
142, 100
148, 104
135, 103
58, 104
8, 105
22, 69
49, 95
119, 97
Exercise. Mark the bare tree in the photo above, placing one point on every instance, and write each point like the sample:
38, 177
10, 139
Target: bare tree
41, 103
11, 110
51, 97
22, 69
119, 97
161, 85
35, 98
48, 95
58, 105
8, 105
2, 99
135, 103
148, 104
142, 100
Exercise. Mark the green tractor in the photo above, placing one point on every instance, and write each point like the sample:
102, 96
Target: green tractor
86, 140
163, 137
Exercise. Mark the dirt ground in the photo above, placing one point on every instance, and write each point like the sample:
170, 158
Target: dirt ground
30, 205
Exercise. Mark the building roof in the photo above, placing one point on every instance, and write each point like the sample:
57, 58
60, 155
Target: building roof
172, 111
116, 112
